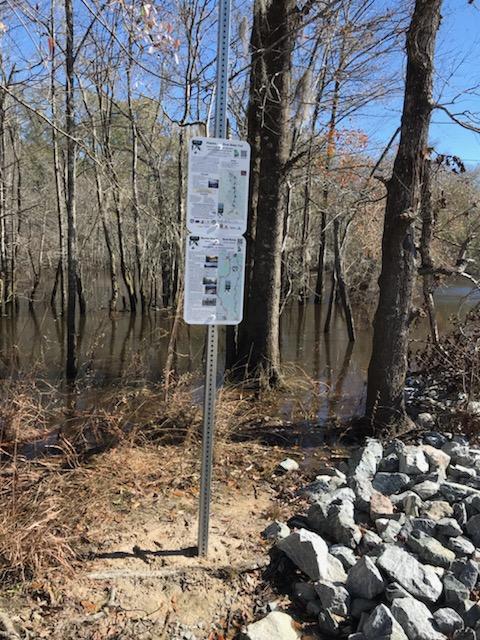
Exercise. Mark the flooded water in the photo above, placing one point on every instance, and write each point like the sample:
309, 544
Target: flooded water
135, 348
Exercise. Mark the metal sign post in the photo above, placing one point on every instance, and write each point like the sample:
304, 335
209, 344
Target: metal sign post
223, 50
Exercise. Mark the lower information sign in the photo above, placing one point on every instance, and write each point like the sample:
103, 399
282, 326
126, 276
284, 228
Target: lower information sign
214, 280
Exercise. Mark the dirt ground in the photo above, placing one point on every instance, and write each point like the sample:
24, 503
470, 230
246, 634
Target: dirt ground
137, 575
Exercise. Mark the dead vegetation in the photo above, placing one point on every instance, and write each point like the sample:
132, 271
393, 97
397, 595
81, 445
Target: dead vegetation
62, 466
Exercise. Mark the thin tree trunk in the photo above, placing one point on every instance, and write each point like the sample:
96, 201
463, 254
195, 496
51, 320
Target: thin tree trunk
134, 178
388, 365
72, 266
428, 221
57, 173
341, 285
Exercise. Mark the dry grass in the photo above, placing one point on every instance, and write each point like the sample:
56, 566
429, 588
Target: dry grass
53, 509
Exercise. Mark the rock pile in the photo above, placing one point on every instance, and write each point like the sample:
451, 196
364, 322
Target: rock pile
390, 546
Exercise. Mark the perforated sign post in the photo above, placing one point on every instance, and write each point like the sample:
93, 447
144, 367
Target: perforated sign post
217, 202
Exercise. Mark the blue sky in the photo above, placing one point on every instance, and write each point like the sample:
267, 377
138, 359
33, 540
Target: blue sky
457, 69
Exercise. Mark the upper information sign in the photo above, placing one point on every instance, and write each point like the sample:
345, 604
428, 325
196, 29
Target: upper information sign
218, 175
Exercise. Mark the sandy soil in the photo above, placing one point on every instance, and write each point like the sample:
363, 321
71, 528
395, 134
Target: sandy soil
140, 577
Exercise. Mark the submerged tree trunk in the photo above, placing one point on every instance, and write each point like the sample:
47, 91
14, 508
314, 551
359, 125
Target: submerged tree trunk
388, 364
259, 349
72, 267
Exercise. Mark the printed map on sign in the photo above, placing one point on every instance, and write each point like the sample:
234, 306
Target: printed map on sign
214, 280
218, 177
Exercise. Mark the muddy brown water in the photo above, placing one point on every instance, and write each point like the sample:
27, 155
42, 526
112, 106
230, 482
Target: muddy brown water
135, 348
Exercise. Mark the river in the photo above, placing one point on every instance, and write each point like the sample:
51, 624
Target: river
133, 349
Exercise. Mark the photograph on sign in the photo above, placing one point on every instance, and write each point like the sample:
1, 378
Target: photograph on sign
214, 280
218, 177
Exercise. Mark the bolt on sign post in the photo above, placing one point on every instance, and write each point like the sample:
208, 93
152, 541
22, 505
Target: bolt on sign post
217, 205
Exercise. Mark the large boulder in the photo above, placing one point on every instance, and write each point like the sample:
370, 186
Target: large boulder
342, 525
365, 580
430, 550
309, 552
382, 624
420, 581
415, 619
365, 461
448, 621
333, 597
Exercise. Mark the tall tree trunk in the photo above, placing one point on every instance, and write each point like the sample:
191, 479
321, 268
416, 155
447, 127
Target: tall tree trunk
428, 222
72, 266
57, 173
134, 178
388, 364
259, 350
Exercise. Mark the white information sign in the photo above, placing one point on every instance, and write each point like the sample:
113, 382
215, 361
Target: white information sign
218, 175
214, 280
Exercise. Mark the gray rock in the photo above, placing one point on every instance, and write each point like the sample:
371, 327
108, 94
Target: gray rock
309, 552
361, 605
455, 593
394, 591
459, 472
471, 614
466, 571
275, 531
449, 527
412, 505
388, 529
330, 623
389, 483
317, 516
365, 461
389, 464
371, 543
288, 465
427, 525
465, 634
430, 550
460, 546
415, 619
400, 566
304, 591
460, 513
447, 620
454, 491
413, 461
276, 626
362, 486
427, 489
435, 439
333, 597
456, 451
342, 524
399, 500
473, 529
382, 625
344, 554
365, 580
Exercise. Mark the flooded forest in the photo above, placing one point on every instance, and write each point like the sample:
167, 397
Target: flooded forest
362, 283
